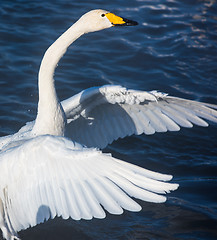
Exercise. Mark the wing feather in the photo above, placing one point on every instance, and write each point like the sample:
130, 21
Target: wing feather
156, 121
147, 126
206, 113
176, 116
120, 197
104, 198
138, 124
96, 209
60, 178
134, 191
170, 124
100, 115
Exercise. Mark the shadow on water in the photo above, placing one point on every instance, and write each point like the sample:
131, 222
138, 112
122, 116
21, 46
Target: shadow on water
153, 222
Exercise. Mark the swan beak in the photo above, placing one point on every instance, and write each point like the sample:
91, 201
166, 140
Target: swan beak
119, 21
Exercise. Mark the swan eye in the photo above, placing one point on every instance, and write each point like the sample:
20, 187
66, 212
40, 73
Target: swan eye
103, 15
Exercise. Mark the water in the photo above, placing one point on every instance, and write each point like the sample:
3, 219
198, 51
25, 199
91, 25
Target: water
173, 50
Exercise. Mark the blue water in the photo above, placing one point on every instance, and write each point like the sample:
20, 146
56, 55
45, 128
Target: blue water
173, 50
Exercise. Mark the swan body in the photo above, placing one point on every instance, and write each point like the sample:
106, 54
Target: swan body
53, 166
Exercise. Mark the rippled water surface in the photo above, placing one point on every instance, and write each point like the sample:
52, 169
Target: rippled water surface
173, 50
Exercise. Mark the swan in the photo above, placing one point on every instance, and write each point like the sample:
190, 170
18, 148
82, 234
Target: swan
53, 166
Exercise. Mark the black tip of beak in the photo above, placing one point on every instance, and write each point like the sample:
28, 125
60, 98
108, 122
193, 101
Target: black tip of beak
129, 22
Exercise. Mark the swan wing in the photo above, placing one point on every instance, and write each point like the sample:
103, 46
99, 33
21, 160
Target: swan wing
61, 178
24, 133
98, 116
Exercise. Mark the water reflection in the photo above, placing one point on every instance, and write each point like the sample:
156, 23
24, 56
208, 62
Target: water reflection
200, 25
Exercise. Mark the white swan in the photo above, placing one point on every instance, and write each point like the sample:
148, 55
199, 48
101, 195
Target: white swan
43, 174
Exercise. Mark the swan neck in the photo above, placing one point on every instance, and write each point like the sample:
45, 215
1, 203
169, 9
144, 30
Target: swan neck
51, 58
51, 117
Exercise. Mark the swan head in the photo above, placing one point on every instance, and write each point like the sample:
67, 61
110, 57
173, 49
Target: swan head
96, 20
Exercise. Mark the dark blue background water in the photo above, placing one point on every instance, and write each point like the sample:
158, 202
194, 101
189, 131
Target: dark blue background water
174, 50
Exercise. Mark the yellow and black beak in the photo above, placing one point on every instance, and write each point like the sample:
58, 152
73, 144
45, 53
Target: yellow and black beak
119, 21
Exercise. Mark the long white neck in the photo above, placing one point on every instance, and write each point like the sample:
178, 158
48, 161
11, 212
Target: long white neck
51, 117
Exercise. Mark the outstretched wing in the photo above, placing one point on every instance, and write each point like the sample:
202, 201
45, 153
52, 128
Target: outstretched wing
51, 176
100, 115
